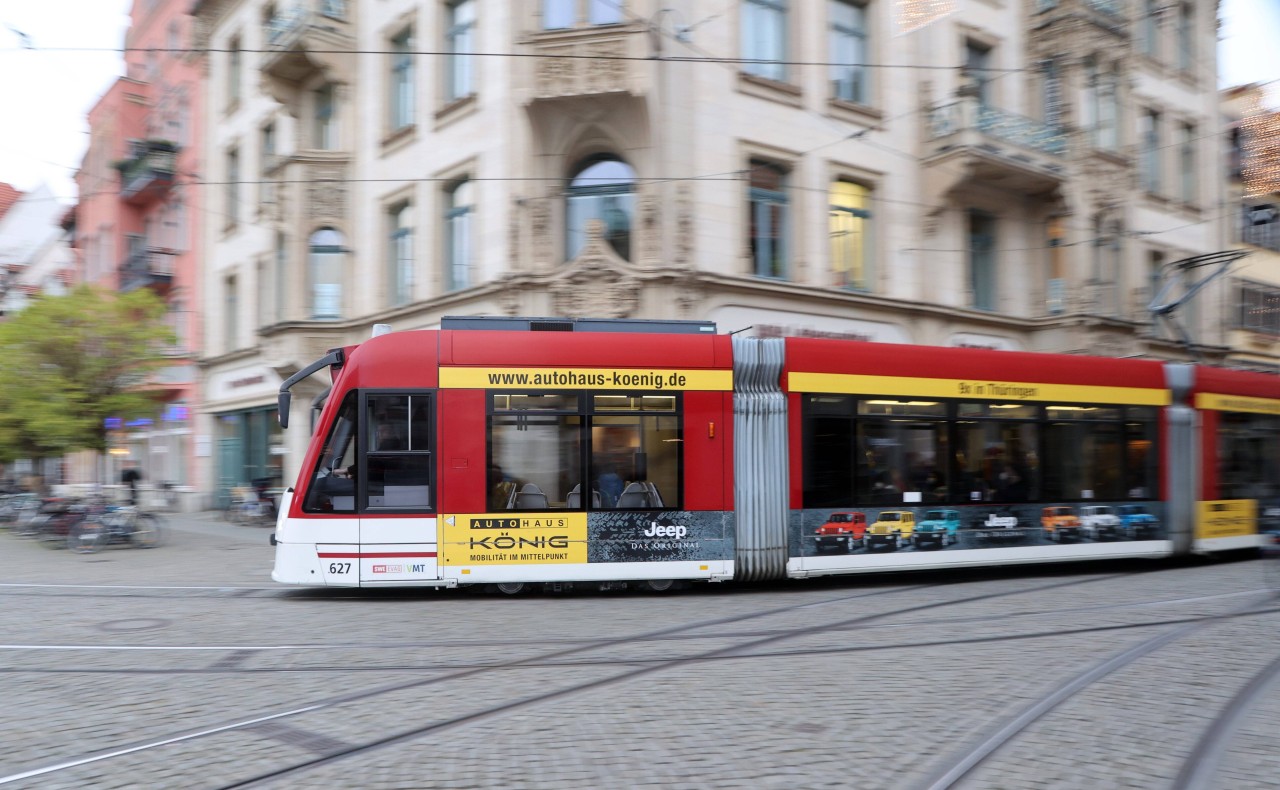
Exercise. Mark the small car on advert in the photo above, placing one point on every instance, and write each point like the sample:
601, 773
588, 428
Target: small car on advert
938, 528
892, 528
1137, 523
1060, 523
841, 530
1100, 522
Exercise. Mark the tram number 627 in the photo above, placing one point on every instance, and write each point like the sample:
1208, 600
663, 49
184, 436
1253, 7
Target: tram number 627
339, 567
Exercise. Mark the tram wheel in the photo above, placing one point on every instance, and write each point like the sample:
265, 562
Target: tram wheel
510, 588
659, 585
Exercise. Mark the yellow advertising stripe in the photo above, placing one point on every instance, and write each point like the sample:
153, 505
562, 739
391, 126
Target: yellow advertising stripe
585, 378
1226, 518
526, 539
974, 389
1216, 402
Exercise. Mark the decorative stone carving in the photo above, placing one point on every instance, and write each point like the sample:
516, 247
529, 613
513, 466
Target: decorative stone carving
684, 225
597, 282
650, 230
689, 297
509, 296
326, 191
540, 227
583, 67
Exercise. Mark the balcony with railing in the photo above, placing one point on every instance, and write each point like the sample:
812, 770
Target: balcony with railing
968, 142
1261, 227
147, 175
311, 36
148, 267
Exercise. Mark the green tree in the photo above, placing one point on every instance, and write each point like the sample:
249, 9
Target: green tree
69, 362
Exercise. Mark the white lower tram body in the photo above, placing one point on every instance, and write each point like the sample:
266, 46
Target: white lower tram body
405, 552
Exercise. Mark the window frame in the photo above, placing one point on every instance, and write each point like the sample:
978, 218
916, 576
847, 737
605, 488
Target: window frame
401, 81
766, 24
950, 416
761, 201
585, 411
459, 72
859, 81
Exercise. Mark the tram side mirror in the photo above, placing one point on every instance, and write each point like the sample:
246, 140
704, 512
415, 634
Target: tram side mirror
283, 408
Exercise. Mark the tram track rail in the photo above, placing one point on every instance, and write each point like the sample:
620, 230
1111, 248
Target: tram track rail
963, 764
346, 668
258, 717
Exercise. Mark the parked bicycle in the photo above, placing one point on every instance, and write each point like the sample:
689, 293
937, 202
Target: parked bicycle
122, 525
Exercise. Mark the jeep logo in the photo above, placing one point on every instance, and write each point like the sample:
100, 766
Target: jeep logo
1001, 522
657, 530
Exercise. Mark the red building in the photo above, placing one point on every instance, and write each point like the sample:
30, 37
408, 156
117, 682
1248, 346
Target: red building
138, 220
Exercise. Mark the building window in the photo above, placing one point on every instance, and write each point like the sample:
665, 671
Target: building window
325, 122
977, 61
764, 38
1186, 37
232, 187
982, 260
1149, 161
281, 274
767, 217
1155, 273
850, 229
234, 68
230, 314
400, 247
561, 14
1105, 107
266, 188
328, 255
460, 33
1149, 29
849, 51
1187, 163
602, 189
401, 99
1052, 95
1260, 308
457, 234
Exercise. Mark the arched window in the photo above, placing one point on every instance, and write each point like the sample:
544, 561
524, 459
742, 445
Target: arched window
328, 252
603, 188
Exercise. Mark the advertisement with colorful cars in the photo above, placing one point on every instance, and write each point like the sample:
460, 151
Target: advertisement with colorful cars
824, 532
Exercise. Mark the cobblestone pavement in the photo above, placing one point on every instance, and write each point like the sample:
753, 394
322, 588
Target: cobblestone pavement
185, 666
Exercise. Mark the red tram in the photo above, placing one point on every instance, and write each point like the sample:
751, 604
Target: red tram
546, 451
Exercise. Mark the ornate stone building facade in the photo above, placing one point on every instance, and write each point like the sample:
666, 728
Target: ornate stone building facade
1019, 174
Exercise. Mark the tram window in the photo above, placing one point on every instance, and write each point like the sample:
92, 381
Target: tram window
1141, 481
996, 461
535, 460
1084, 460
635, 462
1248, 456
332, 488
830, 461
1003, 411
397, 472
901, 461
602, 451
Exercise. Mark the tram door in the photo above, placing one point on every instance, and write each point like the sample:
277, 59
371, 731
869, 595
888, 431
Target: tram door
397, 528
